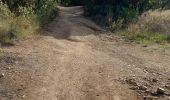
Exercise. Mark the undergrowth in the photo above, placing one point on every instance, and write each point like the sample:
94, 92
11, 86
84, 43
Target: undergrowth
151, 27
25, 21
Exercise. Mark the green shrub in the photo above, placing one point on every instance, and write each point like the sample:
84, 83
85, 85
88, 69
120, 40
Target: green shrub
23, 21
125, 9
13, 26
46, 10
70, 2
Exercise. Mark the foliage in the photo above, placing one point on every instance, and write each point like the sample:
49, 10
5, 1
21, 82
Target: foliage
46, 10
12, 26
21, 21
122, 9
70, 2
126, 10
151, 27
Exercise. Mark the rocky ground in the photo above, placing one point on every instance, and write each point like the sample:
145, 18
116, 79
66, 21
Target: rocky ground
74, 59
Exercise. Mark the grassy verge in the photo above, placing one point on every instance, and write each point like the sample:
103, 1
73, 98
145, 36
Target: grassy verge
151, 27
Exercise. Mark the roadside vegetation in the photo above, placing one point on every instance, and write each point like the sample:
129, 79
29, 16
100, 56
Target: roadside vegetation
141, 21
144, 21
151, 27
20, 19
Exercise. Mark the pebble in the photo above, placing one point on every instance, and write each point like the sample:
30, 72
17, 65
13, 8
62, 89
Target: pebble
9, 68
24, 96
132, 82
2, 75
155, 80
142, 87
160, 91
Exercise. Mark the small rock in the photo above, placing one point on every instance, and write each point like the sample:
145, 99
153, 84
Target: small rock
132, 82
24, 96
142, 87
9, 68
2, 75
160, 91
155, 80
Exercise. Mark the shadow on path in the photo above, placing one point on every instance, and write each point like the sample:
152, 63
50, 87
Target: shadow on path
70, 23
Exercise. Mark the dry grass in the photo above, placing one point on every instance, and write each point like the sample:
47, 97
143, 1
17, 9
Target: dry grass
16, 27
25, 21
157, 21
151, 27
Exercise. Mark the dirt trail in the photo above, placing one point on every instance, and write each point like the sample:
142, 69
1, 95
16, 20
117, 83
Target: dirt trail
77, 60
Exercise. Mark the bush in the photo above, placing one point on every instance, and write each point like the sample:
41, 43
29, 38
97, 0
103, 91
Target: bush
46, 10
126, 10
12, 26
25, 19
151, 27
122, 8
71, 2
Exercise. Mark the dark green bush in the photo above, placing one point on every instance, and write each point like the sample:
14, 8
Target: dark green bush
70, 2
46, 10
125, 9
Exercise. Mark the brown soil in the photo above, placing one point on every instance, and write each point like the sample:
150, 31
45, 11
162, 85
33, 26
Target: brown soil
75, 59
